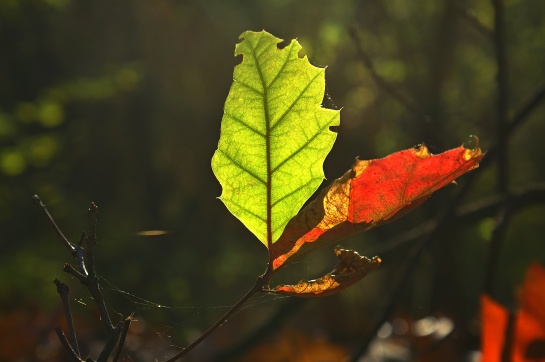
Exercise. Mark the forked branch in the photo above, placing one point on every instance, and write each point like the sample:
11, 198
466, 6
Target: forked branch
83, 253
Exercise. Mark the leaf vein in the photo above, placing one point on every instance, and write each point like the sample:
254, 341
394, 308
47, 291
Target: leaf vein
297, 99
236, 163
240, 121
316, 134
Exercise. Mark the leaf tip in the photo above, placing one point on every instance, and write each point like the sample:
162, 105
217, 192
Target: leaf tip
472, 150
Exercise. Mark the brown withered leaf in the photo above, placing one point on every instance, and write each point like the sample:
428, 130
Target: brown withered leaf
351, 268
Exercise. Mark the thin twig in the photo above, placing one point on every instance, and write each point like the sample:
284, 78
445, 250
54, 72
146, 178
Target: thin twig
72, 271
92, 285
58, 231
91, 239
123, 335
473, 211
80, 255
518, 120
509, 338
94, 289
275, 321
498, 236
66, 344
260, 282
470, 16
63, 290
502, 97
403, 100
527, 109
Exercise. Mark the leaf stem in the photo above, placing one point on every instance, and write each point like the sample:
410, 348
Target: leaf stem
260, 282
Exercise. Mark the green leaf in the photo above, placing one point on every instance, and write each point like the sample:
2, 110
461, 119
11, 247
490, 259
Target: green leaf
274, 135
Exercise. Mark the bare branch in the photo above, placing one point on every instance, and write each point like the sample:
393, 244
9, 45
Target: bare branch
94, 289
80, 255
495, 246
124, 331
72, 271
503, 96
58, 231
470, 16
113, 336
66, 344
260, 282
91, 239
474, 211
527, 109
403, 100
63, 290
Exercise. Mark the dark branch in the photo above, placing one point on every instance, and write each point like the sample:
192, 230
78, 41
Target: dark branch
474, 211
470, 16
113, 336
58, 231
91, 239
502, 96
275, 321
63, 290
94, 289
72, 271
498, 236
260, 282
527, 109
381, 82
66, 344
124, 331
507, 350
80, 255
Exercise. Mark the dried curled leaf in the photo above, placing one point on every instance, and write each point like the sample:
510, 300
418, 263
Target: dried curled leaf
351, 268
370, 194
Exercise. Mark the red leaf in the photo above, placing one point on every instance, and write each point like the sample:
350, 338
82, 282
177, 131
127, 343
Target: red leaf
494, 319
351, 268
528, 344
530, 325
371, 193
533, 292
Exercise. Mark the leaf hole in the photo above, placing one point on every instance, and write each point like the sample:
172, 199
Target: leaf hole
282, 44
334, 129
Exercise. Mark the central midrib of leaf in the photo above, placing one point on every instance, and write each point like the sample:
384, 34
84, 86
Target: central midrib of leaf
293, 130
268, 185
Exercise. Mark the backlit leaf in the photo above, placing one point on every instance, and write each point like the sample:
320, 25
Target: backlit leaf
351, 268
528, 342
371, 193
274, 135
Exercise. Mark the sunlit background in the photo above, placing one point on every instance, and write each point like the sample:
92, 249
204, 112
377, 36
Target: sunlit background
120, 103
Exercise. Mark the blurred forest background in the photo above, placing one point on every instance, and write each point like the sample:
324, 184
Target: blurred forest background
120, 103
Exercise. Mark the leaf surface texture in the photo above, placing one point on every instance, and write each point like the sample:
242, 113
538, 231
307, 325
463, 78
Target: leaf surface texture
274, 135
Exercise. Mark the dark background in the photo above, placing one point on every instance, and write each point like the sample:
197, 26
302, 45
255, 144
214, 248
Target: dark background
120, 103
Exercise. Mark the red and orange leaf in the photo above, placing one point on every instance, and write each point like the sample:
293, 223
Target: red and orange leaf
533, 292
529, 335
494, 320
351, 268
530, 325
528, 344
371, 193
